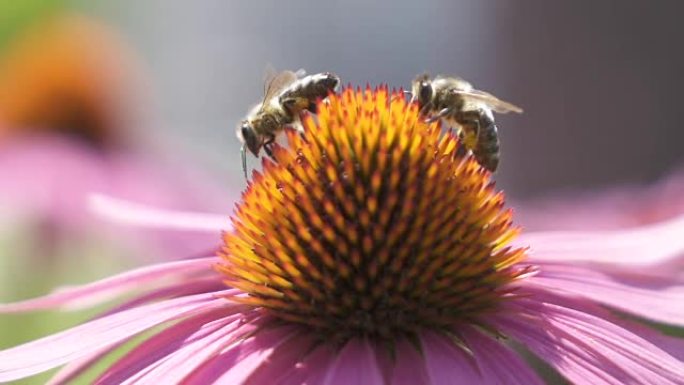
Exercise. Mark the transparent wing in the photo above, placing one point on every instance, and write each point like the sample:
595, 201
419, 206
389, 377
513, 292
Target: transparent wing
300, 73
490, 100
269, 74
275, 83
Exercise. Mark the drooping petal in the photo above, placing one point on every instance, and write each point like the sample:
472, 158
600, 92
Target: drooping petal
132, 213
355, 364
172, 290
498, 364
586, 349
165, 343
655, 299
75, 368
80, 341
446, 363
672, 345
108, 288
656, 244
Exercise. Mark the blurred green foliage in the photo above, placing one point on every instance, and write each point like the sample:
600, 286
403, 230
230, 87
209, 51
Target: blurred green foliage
15, 15
30, 267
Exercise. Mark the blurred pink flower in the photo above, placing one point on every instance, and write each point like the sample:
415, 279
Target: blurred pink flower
71, 74
48, 181
71, 93
267, 309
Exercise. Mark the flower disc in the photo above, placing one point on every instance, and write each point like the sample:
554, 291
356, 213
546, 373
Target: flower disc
372, 223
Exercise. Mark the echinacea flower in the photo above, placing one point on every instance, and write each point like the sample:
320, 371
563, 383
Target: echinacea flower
71, 74
375, 252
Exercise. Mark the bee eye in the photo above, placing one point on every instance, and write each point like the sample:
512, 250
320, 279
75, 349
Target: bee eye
250, 138
244, 132
425, 93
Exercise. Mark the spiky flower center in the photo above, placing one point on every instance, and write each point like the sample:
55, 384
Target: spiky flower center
373, 223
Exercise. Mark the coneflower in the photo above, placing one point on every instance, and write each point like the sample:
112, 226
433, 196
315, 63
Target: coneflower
374, 251
70, 95
72, 75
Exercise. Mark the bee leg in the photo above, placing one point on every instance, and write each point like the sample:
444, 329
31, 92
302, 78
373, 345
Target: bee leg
462, 150
425, 109
470, 120
269, 151
442, 113
268, 146
243, 154
403, 95
299, 126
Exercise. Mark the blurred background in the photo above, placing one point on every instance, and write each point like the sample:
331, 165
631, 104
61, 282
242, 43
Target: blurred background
140, 99
599, 81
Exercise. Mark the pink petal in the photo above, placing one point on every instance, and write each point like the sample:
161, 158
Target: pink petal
56, 161
617, 207
83, 340
498, 364
131, 213
133, 176
409, 367
311, 371
76, 368
72, 370
172, 357
446, 363
660, 300
587, 349
289, 359
108, 288
191, 286
355, 364
237, 362
648, 245
672, 345
165, 343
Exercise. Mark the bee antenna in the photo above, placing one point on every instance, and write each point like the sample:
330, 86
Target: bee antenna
409, 93
243, 154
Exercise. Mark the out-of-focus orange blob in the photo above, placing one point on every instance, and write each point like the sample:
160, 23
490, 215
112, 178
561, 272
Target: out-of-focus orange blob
71, 75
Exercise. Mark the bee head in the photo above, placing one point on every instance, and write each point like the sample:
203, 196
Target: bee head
422, 90
249, 138
330, 81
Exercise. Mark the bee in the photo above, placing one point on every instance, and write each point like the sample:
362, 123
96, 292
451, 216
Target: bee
460, 105
286, 95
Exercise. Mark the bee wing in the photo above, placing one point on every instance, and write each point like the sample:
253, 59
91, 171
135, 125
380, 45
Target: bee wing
275, 83
490, 100
300, 73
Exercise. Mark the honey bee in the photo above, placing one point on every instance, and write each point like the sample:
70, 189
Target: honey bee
460, 105
286, 95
